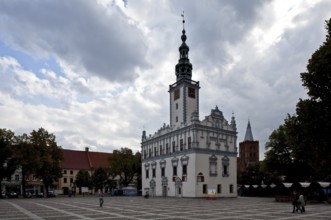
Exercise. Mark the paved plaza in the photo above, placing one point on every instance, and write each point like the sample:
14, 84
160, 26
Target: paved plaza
156, 208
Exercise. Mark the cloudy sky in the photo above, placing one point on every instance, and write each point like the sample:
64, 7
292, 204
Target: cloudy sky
96, 73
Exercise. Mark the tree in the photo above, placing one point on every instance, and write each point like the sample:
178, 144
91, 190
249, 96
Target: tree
312, 127
83, 179
25, 154
48, 155
301, 147
99, 178
8, 164
126, 165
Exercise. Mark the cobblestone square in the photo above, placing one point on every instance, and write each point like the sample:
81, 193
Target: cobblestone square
156, 208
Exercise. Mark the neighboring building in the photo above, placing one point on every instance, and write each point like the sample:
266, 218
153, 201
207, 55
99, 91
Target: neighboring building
12, 184
248, 150
189, 157
74, 161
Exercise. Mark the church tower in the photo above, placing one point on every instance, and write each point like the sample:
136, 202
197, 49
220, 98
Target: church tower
248, 149
184, 93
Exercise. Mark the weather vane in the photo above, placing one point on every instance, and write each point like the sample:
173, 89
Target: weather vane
183, 20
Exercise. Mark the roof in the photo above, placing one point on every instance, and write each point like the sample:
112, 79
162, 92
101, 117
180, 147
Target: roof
73, 159
84, 160
99, 159
249, 134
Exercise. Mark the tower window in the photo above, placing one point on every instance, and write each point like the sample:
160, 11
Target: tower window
176, 94
176, 105
191, 92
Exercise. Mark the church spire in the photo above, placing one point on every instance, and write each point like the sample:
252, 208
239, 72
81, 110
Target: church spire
184, 67
249, 135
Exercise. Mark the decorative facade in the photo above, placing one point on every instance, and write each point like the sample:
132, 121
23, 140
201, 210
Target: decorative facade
189, 157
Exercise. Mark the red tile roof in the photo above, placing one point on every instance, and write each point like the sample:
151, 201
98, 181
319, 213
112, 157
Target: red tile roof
84, 160
99, 159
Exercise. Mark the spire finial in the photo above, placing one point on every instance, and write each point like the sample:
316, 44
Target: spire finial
183, 20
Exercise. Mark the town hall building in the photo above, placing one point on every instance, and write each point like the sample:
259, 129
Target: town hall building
190, 157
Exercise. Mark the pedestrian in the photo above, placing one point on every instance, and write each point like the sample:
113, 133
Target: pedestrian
302, 203
100, 198
295, 202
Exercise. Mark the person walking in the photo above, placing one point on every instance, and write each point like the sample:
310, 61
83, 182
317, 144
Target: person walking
295, 202
302, 203
100, 197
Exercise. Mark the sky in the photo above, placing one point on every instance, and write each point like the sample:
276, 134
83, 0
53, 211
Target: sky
97, 73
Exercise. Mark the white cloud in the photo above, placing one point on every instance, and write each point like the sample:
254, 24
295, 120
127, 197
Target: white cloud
115, 64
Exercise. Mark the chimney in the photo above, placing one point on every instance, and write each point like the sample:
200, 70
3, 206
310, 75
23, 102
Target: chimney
86, 149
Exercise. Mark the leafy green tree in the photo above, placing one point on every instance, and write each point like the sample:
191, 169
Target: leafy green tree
8, 164
49, 156
312, 127
125, 165
100, 178
25, 154
83, 179
279, 151
300, 148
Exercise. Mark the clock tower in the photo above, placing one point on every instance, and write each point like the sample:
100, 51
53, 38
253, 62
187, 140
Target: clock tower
184, 93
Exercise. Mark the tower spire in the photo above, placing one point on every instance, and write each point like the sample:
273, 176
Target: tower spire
183, 67
249, 134
183, 20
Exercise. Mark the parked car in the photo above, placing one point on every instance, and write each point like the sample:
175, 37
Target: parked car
12, 194
51, 194
3, 195
28, 194
40, 195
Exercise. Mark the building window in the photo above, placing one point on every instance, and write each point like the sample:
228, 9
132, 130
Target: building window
204, 189
64, 180
153, 173
189, 143
155, 152
191, 92
71, 180
176, 94
200, 178
174, 171
173, 146
161, 150
167, 148
147, 170
149, 153
225, 166
213, 165
71, 172
231, 188
64, 171
17, 177
176, 118
184, 170
176, 105
219, 188
181, 145
162, 171
225, 170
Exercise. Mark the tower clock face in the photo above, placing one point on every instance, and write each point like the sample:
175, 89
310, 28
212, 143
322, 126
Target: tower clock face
191, 92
